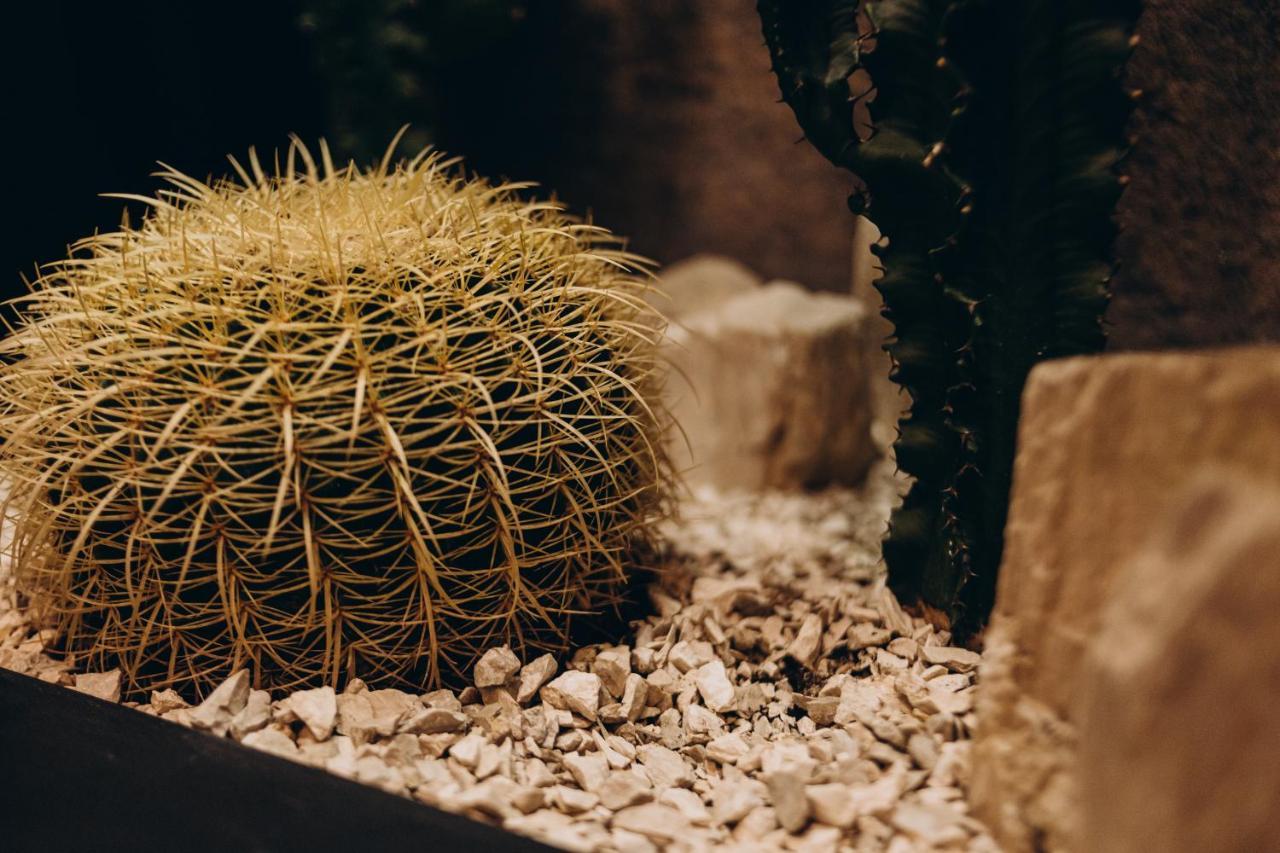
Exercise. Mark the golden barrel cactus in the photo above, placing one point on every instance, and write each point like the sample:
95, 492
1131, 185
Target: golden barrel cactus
327, 423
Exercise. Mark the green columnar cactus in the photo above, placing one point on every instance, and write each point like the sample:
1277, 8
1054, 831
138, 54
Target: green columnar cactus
331, 423
991, 170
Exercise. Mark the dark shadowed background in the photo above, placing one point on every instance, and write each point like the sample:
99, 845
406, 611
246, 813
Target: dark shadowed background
660, 118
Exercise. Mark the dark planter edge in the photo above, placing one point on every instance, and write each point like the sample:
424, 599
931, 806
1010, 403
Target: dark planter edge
83, 774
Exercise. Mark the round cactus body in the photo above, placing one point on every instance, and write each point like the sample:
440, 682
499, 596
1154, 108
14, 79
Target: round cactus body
330, 423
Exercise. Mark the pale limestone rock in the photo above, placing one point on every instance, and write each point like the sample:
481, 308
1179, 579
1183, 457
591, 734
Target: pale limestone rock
1178, 707
701, 725
804, 648
372, 713
934, 825
625, 841
685, 655
633, 697
442, 699
271, 740
714, 685
840, 805
923, 751
255, 714
428, 721
493, 797
734, 799
613, 665
665, 767
1079, 512
104, 685
660, 823
589, 771
960, 660
467, 750
788, 797
574, 691
572, 800
227, 699
164, 701
777, 393
728, 749
625, 788
687, 803
496, 667
317, 709
535, 674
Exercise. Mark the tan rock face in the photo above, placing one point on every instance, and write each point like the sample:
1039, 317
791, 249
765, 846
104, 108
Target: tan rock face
771, 387
1105, 443
1178, 711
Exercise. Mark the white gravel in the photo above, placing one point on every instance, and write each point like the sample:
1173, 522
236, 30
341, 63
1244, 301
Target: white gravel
778, 698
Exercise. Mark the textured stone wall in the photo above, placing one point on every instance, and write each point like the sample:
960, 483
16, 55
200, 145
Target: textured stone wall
676, 137
1200, 252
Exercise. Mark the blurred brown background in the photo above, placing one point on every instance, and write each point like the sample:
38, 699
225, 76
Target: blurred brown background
659, 117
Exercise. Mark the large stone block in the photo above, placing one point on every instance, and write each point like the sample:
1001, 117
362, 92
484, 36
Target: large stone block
1104, 444
1180, 693
770, 385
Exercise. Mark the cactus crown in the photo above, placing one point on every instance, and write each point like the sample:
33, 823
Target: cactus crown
330, 422
991, 170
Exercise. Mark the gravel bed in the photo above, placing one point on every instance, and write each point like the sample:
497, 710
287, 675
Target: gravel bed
777, 698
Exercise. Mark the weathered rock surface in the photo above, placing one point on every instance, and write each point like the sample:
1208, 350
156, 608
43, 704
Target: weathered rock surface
771, 388
1105, 442
1181, 688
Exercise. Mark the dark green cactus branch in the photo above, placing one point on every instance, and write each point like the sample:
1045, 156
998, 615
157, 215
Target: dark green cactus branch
997, 127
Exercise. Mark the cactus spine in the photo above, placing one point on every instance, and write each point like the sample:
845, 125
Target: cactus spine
998, 125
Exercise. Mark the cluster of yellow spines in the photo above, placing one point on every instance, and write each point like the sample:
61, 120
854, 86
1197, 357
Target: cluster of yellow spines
330, 422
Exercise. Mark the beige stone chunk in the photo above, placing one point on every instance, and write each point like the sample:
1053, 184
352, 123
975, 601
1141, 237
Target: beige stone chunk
535, 674
574, 691
804, 648
655, 821
317, 709
734, 799
227, 699
624, 788
665, 767
960, 660
467, 750
496, 667
429, 721
633, 697
777, 392
714, 686
271, 740
589, 771
255, 714
789, 799
572, 800
840, 805
728, 749
934, 825
687, 803
164, 701
104, 685
687, 655
613, 665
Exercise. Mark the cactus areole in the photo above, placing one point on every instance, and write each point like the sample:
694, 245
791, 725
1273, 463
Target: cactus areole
990, 168
330, 422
